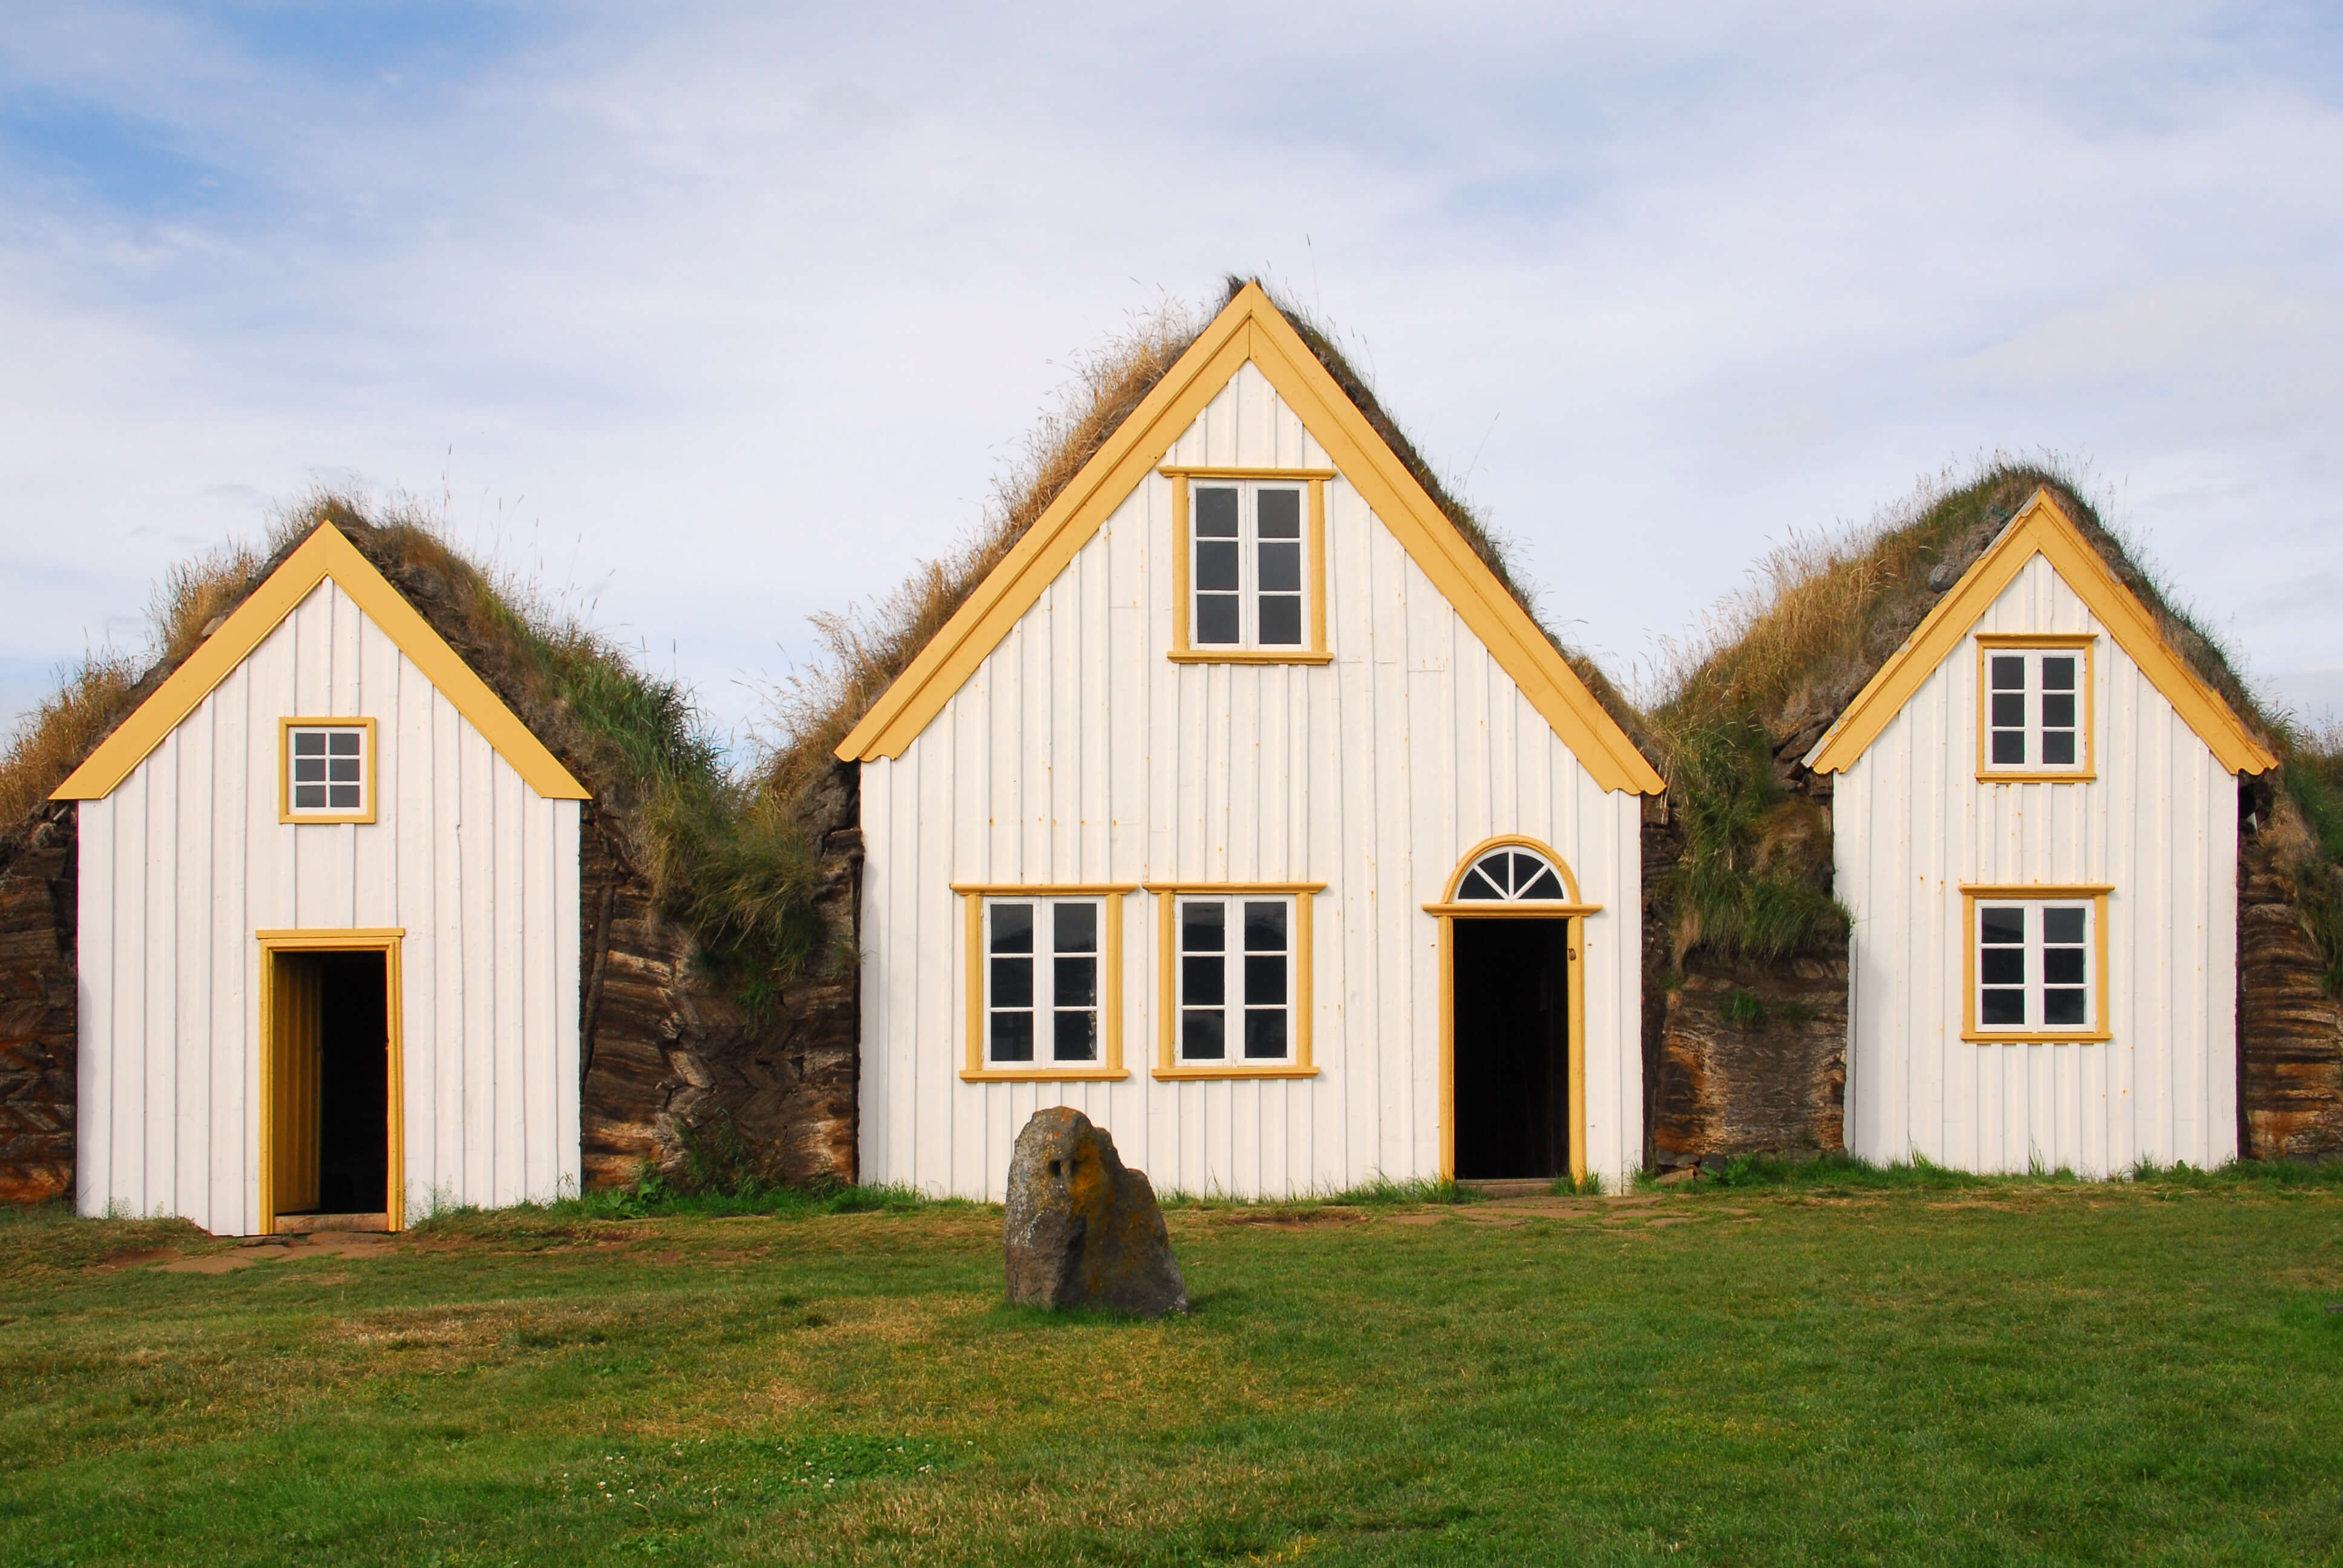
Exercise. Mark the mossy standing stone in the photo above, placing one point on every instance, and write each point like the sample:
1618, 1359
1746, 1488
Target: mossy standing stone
1083, 1229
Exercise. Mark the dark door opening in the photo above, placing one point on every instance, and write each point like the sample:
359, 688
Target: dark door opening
1511, 1038
333, 1081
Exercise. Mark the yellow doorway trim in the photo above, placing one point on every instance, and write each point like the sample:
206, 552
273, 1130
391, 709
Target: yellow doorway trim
386, 940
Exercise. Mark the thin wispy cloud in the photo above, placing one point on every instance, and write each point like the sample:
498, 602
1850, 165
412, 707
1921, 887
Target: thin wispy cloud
715, 317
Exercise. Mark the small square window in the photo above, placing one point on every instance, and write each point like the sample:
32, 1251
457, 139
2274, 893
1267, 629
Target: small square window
329, 771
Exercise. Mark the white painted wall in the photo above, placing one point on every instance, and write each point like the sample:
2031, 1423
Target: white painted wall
187, 859
2159, 824
1078, 753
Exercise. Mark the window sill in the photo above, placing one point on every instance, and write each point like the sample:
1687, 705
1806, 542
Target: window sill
2039, 1037
1266, 1069
2066, 776
1247, 656
1043, 1074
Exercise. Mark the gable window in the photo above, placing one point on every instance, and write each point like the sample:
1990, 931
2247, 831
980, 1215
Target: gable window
1249, 567
1044, 981
2034, 708
327, 770
1235, 979
1510, 876
2037, 963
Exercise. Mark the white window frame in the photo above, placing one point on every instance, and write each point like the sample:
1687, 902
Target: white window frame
1041, 1005
1237, 1002
2032, 702
978, 901
291, 764
1249, 542
2034, 903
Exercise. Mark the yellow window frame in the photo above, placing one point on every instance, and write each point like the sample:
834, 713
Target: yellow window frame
1110, 1067
1184, 610
1168, 1065
2095, 894
284, 812
2084, 643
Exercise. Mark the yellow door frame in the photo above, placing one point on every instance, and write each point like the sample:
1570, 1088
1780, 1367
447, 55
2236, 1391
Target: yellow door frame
386, 940
1572, 913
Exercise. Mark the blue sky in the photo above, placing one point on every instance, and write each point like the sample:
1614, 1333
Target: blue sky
706, 318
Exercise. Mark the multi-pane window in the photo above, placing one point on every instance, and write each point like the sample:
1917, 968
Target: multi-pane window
1235, 975
1245, 569
326, 771
2034, 965
2035, 709
1511, 876
1042, 979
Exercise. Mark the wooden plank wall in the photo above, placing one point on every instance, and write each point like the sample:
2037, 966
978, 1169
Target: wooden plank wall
2159, 824
187, 859
1078, 753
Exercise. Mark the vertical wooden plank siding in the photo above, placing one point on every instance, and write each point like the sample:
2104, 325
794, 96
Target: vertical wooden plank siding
187, 859
2159, 824
1079, 752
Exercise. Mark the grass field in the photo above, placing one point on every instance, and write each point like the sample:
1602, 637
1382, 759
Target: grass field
1783, 1368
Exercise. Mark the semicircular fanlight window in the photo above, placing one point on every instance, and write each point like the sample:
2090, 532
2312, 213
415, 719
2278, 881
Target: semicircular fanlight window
1510, 876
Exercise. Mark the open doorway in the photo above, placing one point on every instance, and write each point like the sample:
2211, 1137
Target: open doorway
1512, 1042
333, 1134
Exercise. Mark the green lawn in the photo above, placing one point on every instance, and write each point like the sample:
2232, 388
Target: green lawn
1924, 1371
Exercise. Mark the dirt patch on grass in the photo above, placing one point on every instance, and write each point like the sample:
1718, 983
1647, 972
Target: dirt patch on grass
1292, 1218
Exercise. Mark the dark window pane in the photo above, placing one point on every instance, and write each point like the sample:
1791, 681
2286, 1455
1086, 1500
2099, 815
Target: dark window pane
344, 742
1076, 1037
1074, 928
1265, 1032
2009, 709
2062, 926
1204, 981
1264, 928
1012, 1037
1216, 567
2062, 966
1013, 982
1265, 980
1279, 514
1216, 513
1476, 885
2002, 966
2059, 674
2065, 1008
2059, 712
309, 743
2003, 1008
309, 796
2003, 923
344, 797
2058, 748
1281, 621
1077, 983
1544, 884
2009, 674
1216, 618
1012, 928
309, 770
2008, 748
1202, 1035
345, 770
1280, 568
1203, 927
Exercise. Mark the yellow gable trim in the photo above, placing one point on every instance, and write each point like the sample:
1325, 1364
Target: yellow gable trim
2041, 528
326, 552
1251, 328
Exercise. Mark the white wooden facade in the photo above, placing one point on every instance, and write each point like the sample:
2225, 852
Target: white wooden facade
1079, 752
2157, 825
186, 859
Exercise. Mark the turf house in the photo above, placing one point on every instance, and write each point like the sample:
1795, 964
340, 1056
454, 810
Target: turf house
1243, 807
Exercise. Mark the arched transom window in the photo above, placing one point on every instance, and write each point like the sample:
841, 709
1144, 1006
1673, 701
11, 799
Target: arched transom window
1511, 876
